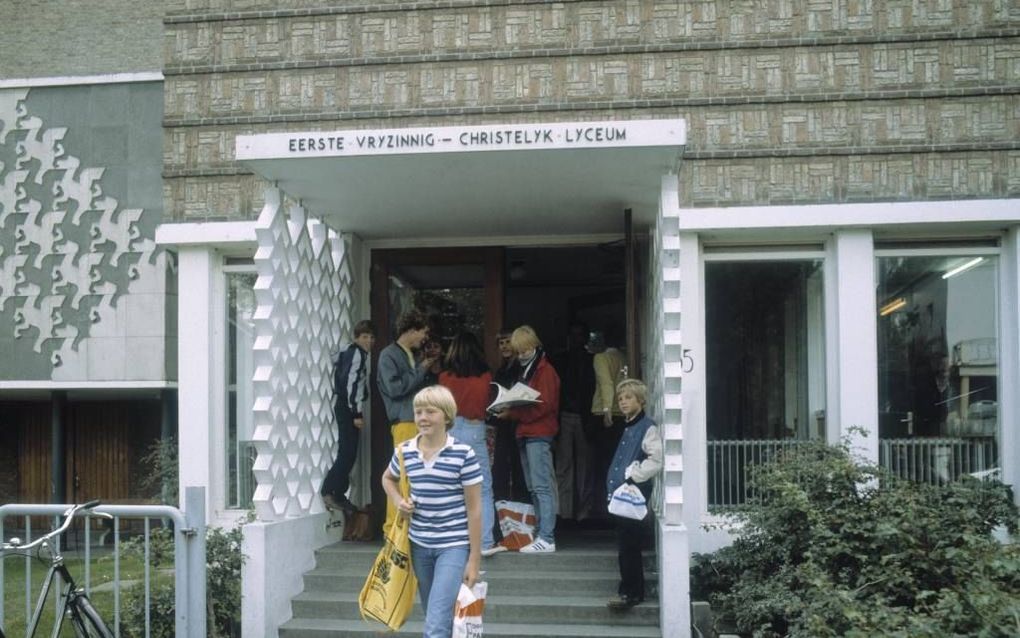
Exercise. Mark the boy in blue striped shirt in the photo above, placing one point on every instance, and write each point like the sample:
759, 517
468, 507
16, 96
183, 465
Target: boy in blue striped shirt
445, 507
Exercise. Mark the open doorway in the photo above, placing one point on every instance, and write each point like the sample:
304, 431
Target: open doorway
548, 288
558, 290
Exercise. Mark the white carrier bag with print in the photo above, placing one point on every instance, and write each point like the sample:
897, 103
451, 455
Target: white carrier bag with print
628, 501
516, 523
467, 613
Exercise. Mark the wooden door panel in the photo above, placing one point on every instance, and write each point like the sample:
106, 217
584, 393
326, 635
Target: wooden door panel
33, 423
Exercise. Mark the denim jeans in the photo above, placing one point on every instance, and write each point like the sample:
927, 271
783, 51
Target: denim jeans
536, 459
473, 433
439, 573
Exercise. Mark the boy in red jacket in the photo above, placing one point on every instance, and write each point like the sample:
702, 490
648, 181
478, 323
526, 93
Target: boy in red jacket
537, 426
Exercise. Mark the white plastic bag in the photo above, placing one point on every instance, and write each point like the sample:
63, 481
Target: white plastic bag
467, 613
628, 501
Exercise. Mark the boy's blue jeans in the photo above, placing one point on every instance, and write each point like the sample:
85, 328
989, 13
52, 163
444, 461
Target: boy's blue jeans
473, 433
537, 462
440, 573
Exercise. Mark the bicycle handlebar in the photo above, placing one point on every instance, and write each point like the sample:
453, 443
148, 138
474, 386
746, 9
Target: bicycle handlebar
68, 517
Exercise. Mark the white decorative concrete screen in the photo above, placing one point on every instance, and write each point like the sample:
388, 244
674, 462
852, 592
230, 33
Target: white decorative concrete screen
69, 253
665, 352
303, 292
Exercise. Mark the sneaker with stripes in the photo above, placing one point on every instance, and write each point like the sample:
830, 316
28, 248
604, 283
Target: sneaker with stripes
539, 547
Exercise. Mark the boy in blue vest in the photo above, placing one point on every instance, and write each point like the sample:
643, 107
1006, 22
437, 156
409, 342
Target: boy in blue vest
638, 460
350, 387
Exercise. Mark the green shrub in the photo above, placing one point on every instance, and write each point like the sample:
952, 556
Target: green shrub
161, 476
223, 586
837, 548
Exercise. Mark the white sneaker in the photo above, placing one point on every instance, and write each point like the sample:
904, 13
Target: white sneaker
495, 549
539, 547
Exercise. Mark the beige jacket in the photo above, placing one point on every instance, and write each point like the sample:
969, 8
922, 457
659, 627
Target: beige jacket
607, 366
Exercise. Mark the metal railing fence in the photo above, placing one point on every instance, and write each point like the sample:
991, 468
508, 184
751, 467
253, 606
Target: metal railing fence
934, 461
729, 463
189, 557
937, 461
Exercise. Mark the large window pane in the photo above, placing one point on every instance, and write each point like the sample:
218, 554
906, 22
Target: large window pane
765, 368
937, 365
240, 341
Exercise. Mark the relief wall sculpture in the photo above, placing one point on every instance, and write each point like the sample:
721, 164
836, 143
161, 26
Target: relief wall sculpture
82, 283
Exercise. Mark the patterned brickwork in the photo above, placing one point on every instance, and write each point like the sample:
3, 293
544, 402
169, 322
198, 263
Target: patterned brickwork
598, 21
799, 101
219, 198
304, 309
846, 127
663, 367
666, 79
825, 179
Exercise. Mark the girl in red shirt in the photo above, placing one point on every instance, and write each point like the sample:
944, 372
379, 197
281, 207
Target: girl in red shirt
467, 377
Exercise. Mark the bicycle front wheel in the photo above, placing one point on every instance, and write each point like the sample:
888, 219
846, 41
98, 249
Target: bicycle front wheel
86, 620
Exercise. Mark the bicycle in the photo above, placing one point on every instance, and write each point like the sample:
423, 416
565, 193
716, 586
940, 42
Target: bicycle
74, 603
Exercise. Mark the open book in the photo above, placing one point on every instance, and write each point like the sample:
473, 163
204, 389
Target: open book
520, 394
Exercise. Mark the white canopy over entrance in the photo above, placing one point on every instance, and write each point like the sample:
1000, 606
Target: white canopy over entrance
436, 185
470, 180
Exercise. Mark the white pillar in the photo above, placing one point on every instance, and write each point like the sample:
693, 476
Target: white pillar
1009, 365
197, 339
674, 581
692, 327
852, 395
671, 287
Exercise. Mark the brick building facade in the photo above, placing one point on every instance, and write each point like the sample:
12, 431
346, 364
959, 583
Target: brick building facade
857, 163
797, 103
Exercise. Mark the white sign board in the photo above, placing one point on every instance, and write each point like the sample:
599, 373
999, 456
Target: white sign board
460, 139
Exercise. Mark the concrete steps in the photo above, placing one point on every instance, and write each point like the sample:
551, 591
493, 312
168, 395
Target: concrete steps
503, 609
560, 594
319, 628
601, 582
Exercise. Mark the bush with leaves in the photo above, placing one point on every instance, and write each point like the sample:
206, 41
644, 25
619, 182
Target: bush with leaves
162, 470
834, 547
223, 586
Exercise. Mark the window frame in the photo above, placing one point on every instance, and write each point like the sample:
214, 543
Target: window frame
696, 251
227, 270
969, 247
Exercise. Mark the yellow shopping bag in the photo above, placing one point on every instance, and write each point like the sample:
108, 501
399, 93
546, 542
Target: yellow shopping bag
388, 594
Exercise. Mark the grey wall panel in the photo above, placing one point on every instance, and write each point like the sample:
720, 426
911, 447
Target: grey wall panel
82, 284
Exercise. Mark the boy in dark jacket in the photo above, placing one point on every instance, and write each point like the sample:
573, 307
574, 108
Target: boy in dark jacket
350, 387
638, 460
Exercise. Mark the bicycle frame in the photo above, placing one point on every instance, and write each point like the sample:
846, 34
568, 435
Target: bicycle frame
69, 594
69, 591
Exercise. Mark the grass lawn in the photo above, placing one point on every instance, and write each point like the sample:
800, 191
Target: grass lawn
101, 579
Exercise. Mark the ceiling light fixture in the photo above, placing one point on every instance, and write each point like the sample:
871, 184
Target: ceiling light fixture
963, 267
892, 306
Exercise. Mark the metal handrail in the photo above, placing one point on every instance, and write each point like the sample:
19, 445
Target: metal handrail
68, 515
189, 552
